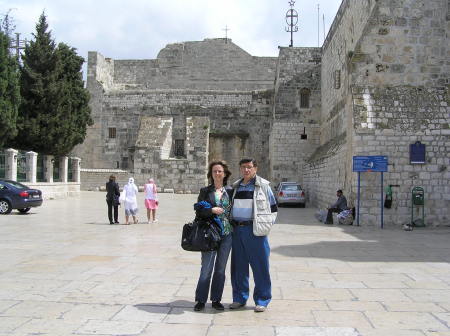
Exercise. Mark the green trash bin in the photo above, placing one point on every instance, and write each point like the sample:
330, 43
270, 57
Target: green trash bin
417, 206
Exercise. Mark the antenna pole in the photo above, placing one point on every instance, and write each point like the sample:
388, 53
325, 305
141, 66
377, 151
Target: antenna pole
323, 18
318, 25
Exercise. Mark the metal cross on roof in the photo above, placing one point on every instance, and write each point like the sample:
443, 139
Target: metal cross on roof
292, 20
226, 33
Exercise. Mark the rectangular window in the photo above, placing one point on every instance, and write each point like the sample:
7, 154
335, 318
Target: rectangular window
304, 98
112, 132
124, 162
179, 148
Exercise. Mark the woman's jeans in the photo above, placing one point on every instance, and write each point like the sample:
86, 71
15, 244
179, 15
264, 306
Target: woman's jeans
216, 260
116, 210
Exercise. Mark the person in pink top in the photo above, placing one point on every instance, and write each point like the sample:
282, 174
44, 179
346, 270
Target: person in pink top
151, 200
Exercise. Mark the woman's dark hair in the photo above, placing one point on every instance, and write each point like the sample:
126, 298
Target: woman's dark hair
112, 177
225, 170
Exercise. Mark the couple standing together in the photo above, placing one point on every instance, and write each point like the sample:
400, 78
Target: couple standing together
248, 210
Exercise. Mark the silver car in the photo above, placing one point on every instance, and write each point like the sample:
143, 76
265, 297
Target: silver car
290, 193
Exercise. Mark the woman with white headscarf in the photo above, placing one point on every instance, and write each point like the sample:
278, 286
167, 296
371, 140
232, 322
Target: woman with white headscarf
151, 200
129, 194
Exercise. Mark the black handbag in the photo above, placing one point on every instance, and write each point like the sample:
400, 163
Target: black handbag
200, 235
116, 200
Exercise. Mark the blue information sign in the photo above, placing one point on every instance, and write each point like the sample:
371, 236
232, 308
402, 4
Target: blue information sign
370, 163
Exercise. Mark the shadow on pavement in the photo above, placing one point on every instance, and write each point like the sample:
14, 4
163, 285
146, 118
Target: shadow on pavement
181, 306
363, 243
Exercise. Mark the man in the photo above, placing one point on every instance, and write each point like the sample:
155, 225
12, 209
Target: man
253, 213
338, 206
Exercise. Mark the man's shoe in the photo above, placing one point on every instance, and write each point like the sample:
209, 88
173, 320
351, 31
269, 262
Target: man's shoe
217, 305
260, 309
236, 305
111, 223
116, 222
199, 306
329, 223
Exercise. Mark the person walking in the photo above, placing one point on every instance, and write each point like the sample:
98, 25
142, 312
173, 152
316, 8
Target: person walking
253, 213
112, 199
218, 196
129, 194
151, 200
338, 206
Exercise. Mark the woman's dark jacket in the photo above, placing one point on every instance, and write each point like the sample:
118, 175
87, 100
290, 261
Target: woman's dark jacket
207, 194
112, 188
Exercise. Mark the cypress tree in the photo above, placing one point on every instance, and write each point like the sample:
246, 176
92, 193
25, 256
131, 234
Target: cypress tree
9, 91
54, 111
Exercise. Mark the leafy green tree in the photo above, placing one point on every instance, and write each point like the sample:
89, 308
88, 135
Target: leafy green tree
54, 113
9, 91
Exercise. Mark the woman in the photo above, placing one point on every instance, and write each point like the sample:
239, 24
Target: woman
219, 198
112, 199
151, 200
129, 194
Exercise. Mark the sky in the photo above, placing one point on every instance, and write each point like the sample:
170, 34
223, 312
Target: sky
138, 29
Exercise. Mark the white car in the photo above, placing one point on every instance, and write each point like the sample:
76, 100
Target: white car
290, 193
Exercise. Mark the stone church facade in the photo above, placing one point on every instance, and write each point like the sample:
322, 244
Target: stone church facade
378, 84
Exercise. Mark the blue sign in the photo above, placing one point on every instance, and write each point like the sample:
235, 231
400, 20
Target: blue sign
417, 153
370, 163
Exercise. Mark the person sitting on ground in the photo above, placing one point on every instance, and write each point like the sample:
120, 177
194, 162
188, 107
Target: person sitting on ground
338, 206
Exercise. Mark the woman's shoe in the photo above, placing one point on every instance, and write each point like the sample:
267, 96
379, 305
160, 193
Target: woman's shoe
199, 306
217, 305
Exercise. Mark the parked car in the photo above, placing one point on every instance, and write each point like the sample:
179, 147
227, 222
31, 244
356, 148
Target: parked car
290, 193
15, 195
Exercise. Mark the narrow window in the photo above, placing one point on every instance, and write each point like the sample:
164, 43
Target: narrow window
337, 79
179, 148
304, 98
112, 132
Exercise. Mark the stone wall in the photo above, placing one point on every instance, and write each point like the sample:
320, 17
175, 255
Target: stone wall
182, 174
288, 150
95, 179
325, 172
405, 43
383, 90
387, 121
295, 132
216, 64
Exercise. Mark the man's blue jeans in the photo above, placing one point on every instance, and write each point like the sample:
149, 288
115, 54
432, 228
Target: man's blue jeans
252, 250
217, 261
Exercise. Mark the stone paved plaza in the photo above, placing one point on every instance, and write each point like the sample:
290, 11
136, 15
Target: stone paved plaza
65, 271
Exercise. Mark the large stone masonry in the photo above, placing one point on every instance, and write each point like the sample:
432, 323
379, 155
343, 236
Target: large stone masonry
152, 158
387, 121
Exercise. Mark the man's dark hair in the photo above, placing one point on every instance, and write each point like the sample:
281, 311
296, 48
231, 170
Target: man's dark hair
248, 160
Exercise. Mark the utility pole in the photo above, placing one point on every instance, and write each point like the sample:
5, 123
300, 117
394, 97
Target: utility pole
17, 44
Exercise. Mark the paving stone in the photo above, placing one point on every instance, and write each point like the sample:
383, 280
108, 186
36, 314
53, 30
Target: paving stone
315, 331
158, 329
143, 283
99, 327
405, 320
8, 323
355, 305
153, 314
